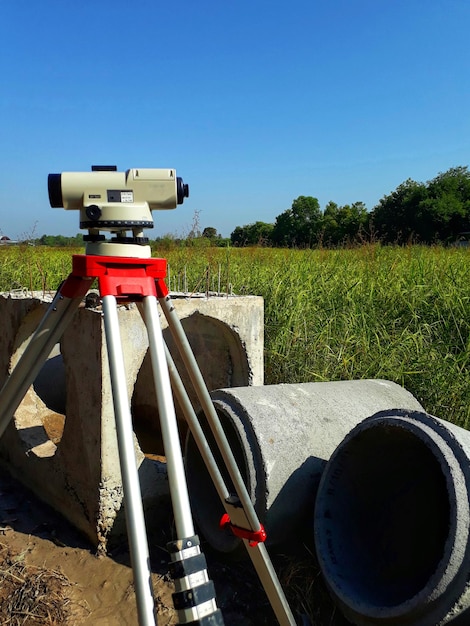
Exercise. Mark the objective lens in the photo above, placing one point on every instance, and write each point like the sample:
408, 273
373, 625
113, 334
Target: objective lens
54, 186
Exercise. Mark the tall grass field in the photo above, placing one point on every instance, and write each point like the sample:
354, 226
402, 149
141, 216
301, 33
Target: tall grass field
401, 314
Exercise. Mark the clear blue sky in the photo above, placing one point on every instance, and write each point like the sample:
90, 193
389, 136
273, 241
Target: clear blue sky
254, 103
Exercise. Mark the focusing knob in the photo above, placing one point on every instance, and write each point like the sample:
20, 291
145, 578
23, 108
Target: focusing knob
93, 212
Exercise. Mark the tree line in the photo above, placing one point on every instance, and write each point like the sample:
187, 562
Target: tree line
437, 211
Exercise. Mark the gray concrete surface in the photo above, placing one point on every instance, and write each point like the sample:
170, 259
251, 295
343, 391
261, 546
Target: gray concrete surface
62, 441
282, 437
392, 522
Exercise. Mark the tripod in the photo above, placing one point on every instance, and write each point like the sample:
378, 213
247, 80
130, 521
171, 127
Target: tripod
141, 280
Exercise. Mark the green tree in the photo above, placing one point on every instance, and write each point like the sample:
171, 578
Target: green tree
396, 218
60, 240
352, 220
446, 210
330, 223
209, 232
435, 211
300, 225
344, 224
283, 232
257, 234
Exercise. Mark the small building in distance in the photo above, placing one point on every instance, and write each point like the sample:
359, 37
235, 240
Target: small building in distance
4, 241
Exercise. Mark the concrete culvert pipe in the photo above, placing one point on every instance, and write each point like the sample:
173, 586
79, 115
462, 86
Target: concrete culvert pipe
392, 519
281, 437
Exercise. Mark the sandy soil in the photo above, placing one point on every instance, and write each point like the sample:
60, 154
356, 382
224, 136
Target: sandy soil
99, 590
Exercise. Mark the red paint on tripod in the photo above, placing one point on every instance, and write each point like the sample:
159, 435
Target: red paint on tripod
254, 537
126, 278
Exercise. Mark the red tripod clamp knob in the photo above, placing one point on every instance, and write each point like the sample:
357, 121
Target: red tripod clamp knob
254, 537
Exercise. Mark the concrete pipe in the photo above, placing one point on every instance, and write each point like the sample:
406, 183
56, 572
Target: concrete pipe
281, 437
392, 519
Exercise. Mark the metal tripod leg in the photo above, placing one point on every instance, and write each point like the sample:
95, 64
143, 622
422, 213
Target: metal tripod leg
243, 516
194, 598
136, 531
171, 442
47, 334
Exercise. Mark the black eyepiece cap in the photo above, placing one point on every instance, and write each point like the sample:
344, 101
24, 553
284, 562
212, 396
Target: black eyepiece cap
54, 186
182, 190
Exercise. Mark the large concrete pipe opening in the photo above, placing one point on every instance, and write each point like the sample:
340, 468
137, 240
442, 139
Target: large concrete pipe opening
392, 522
281, 437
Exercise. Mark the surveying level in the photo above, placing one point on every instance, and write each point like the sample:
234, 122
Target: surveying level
126, 273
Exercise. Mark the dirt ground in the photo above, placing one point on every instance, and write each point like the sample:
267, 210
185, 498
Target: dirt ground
49, 575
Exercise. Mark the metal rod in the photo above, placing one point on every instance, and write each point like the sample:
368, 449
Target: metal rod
195, 428
171, 442
136, 530
263, 565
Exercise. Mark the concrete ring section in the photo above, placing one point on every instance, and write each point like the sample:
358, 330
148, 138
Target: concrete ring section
281, 437
392, 522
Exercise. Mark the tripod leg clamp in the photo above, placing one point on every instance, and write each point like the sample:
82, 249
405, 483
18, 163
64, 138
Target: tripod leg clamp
254, 537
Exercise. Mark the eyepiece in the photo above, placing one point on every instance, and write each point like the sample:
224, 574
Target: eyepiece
182, 190
93, 212
54, 186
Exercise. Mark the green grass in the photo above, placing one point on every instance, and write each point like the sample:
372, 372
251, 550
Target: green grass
402, 314
35, 268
